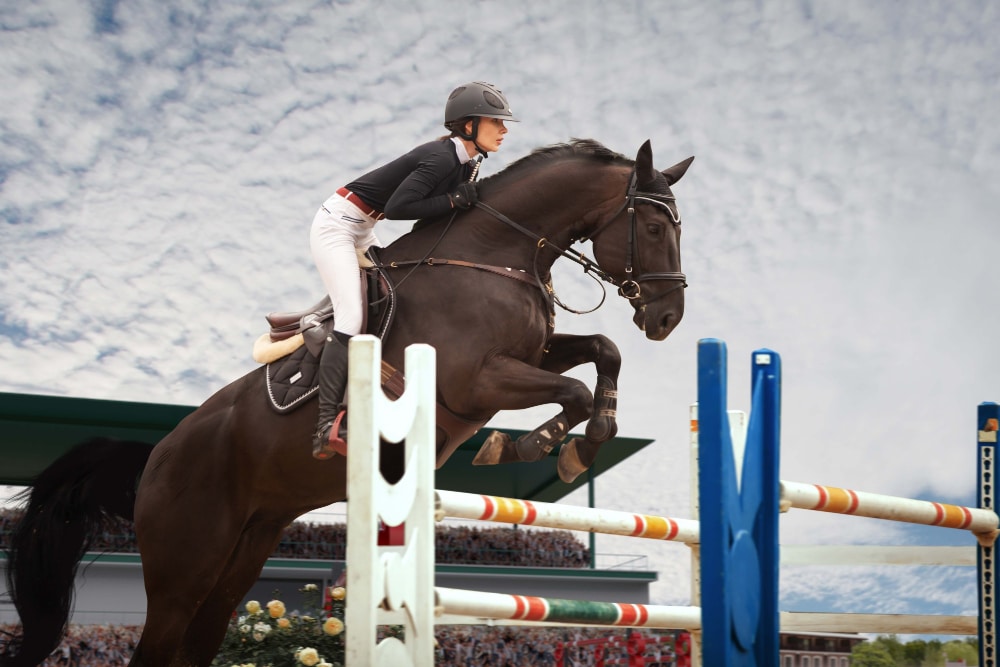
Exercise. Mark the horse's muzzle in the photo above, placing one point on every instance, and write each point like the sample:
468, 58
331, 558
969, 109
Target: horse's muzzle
656, 324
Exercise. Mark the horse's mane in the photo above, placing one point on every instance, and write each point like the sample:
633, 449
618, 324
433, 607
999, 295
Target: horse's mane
576, 148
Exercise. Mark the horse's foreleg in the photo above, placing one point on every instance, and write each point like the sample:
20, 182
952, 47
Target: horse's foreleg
568, 351
508, 384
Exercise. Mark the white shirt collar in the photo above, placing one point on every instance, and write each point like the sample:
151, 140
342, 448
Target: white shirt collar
463, 155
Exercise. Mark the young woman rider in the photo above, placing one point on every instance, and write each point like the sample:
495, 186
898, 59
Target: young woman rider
428, 181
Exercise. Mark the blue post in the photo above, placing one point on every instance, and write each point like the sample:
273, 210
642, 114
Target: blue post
739, 522
988, 421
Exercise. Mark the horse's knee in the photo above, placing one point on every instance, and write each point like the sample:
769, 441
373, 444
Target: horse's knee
608, 358
577, 402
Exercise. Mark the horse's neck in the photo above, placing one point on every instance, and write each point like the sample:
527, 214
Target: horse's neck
550, 210
477, 236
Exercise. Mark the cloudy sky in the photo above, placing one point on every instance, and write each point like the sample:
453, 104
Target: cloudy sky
160, 164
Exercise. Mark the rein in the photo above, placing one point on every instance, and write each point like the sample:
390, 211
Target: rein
630, 288
578, 257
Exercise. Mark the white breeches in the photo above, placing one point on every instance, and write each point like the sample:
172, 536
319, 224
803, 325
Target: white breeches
338, 231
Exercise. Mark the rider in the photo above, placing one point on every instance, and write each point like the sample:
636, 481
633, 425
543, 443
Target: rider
429, 181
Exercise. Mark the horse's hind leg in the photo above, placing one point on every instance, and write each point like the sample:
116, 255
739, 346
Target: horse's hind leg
191, 601
179, 577
205, 634
185, 548
169, 611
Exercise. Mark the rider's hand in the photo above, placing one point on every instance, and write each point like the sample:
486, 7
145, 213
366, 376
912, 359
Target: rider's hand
465, 196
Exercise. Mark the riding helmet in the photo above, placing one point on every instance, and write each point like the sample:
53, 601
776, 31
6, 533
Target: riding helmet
476, 99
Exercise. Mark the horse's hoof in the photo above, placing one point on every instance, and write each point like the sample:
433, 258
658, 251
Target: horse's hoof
570, 466
491, 453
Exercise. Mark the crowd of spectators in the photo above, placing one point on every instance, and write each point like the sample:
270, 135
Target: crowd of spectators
90, 645
512, 646
457, 646
455, 544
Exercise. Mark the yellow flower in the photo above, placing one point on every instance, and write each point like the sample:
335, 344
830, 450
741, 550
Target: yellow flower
276, 608
253, 607
308, 656
338, 593
284, 623
333, 626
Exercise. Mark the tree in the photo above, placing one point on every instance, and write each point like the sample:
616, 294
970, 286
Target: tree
893, 647
915, 653
935, 654
962, 650
871, 655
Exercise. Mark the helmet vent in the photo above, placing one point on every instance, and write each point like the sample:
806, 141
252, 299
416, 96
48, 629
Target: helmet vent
493, 100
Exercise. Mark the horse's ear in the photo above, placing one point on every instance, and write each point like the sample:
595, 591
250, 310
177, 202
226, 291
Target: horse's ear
644, 163
675, 172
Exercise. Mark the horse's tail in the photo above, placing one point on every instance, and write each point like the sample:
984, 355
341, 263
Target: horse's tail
67, 505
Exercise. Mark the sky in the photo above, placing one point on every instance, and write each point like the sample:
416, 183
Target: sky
160, 164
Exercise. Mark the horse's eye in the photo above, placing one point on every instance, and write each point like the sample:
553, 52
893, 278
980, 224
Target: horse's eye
654, 229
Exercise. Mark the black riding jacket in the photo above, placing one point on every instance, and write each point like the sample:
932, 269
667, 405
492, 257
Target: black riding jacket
414, 185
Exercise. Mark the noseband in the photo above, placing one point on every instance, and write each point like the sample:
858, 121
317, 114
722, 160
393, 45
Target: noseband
630, 288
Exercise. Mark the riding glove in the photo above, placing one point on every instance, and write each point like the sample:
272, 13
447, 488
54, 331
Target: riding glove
465, 196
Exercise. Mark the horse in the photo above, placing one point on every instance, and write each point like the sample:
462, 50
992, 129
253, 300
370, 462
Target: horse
214, 495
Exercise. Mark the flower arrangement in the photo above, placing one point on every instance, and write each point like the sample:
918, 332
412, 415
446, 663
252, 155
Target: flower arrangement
268, 636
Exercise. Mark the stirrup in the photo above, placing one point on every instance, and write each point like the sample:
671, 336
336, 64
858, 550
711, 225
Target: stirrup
329, 439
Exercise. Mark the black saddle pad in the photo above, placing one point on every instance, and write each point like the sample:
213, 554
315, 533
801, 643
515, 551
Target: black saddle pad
291, 380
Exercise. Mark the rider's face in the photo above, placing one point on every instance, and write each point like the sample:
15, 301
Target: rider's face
491, 131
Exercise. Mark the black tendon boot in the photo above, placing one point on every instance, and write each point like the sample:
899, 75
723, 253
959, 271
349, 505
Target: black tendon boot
331, 429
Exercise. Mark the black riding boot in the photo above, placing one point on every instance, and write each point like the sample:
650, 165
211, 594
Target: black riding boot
331, 429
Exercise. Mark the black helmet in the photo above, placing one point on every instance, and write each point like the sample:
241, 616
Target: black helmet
476, 99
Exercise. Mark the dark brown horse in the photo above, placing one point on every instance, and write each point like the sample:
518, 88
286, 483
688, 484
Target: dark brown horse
216, 493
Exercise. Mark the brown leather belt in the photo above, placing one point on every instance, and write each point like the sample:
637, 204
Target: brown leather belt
360, 203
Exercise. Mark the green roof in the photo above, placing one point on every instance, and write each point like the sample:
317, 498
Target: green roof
36, 429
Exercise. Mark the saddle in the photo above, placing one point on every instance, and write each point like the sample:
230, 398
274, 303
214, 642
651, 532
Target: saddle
292, 346
295, 340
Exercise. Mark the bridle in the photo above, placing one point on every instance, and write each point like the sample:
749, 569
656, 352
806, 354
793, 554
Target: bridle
629, 288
